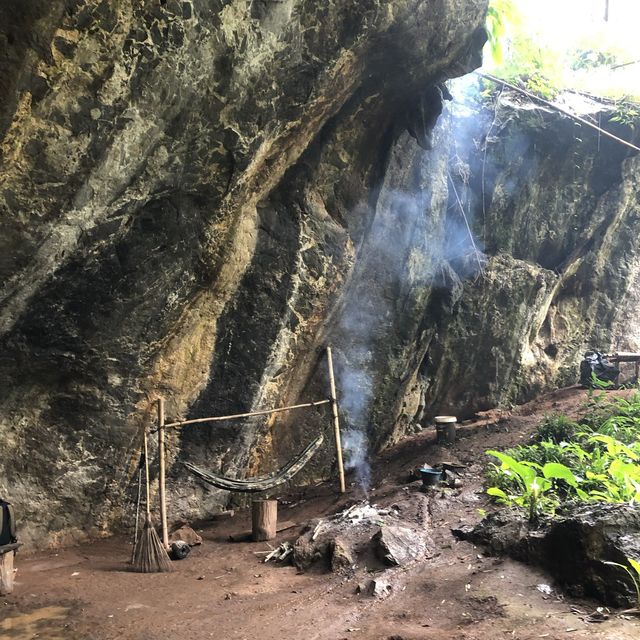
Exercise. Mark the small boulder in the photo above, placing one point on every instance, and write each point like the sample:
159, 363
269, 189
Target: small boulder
397, 545
342, 557
376, 588
186, 534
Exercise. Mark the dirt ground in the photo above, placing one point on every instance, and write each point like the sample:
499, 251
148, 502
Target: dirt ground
223, 590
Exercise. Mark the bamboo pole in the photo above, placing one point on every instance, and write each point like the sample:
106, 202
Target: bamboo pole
162, 474
556, 107
182, 423
336, 420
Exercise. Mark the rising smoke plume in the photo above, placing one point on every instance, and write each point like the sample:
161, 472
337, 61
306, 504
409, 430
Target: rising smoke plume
412, 235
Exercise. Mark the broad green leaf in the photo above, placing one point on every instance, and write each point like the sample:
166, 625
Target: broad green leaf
498, 493
525, 474
559, 472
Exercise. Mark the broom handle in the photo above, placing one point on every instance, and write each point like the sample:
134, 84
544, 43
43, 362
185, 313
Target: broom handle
162, 474
146, 475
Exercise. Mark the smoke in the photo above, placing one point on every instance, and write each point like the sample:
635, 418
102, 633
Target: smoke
358, 327
420, 238
494, 157
356, 448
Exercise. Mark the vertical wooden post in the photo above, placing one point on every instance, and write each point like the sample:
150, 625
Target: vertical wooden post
264, 519
6, 573
162, 474
147, 487
336, 420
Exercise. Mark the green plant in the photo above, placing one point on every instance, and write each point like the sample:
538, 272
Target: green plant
538, 454
597, 459
627, 113
502, 18
633, 570
556, 428
597, 383
521, 49
591, 59
530, 489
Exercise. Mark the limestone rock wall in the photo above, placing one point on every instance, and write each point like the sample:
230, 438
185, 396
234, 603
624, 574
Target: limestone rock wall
196, 197
557, 209
185, 189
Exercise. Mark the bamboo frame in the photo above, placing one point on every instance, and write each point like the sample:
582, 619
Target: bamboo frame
162, 474
163, 426
336, 420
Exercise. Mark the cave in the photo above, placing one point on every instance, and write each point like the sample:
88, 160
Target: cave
213, 208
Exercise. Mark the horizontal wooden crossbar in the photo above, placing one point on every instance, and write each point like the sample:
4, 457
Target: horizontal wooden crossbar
182, 423
622, 356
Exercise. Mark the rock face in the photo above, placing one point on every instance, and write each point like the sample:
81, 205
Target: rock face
185, 188
557, 208
197, 196
575, 548
398, 545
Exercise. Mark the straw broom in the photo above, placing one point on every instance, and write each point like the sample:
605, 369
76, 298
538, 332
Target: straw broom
149, 555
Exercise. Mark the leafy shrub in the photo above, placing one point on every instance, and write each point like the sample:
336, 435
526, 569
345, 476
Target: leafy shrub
556, 428
520, 51
597, 459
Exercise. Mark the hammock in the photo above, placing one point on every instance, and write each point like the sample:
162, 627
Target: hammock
259, 484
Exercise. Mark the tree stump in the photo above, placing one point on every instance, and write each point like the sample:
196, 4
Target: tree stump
264, 519
6, 572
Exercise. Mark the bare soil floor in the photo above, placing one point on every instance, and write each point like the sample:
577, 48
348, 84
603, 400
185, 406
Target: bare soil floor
224, 591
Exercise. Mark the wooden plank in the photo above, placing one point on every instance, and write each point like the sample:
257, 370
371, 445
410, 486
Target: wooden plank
622, 356
287, 524
245, 536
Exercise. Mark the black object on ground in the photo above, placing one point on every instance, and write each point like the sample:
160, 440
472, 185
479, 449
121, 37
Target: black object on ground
179, 550
594, 363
